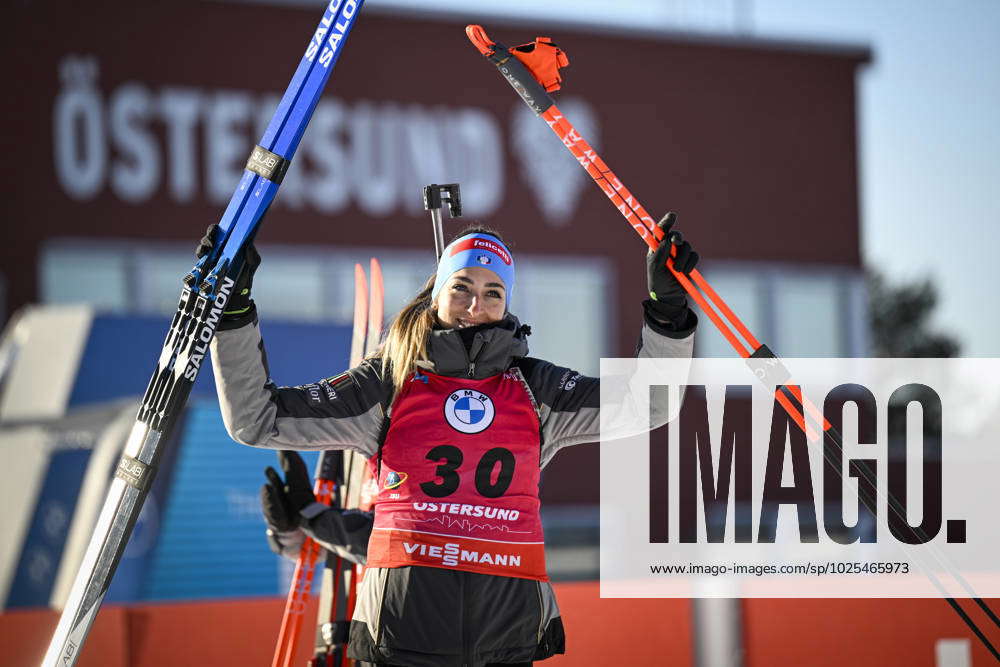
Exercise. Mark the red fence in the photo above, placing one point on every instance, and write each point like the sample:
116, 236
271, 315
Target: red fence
599, 632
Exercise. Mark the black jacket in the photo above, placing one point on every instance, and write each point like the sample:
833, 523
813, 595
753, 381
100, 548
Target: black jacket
417, 616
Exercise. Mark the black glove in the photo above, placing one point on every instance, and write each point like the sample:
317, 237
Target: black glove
281, 501
240, 307
668, 301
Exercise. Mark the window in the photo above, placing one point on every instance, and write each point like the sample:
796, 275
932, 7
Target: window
305, 283
797, 311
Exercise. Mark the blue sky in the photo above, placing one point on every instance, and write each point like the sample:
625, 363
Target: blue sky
929, 125
930, 144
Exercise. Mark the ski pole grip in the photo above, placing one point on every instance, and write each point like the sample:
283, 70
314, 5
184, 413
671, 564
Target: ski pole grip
512, 69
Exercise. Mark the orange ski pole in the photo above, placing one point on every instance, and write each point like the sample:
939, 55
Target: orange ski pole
520, 66
324, 489
298, 592
533, 71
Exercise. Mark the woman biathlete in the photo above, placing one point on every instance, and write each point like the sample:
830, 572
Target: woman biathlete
457, 422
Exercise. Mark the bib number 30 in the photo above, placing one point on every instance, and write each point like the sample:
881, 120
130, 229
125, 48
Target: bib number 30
451, 458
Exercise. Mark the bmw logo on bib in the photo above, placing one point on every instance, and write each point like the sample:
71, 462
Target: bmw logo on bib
468, 411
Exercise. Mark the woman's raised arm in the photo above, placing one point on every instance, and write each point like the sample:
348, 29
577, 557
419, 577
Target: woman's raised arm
342, 412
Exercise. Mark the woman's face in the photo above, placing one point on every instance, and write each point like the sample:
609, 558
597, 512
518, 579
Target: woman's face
469, 297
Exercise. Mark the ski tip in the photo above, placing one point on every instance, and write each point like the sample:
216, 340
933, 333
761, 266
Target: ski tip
477, 35
376, 267
360, 297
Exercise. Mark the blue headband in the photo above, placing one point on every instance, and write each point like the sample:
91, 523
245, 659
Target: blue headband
483, 250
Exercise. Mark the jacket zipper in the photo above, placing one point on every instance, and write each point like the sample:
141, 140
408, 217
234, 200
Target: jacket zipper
474, 351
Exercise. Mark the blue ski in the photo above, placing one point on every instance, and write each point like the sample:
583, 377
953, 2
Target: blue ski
203, 299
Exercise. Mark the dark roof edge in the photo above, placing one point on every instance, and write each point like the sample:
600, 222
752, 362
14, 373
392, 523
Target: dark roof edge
857, 51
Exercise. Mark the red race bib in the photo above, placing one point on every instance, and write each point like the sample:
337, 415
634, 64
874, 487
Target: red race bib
458, 486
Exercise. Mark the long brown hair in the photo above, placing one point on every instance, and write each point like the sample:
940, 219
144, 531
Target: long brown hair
405, 343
